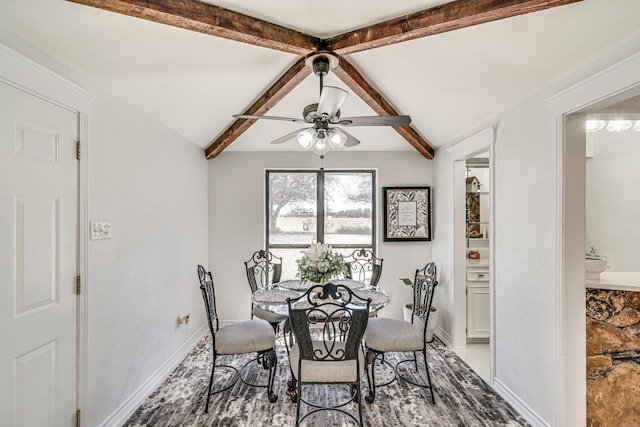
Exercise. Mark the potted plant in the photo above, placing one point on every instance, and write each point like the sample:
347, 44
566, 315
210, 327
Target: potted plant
407, 311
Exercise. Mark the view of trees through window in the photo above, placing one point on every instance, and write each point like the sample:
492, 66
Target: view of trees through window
333, 207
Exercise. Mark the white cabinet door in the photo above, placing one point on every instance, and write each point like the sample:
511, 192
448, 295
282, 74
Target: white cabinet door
478, 310
38, 261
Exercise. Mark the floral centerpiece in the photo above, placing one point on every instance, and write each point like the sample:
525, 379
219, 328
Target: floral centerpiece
320, 263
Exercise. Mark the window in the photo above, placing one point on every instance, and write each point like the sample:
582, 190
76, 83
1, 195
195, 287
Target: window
333, 207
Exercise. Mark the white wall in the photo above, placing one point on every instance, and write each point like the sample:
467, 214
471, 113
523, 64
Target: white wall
152, 185
612, 216
236, 218
525, 256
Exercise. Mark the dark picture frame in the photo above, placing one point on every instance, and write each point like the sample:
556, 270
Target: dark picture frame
407, 214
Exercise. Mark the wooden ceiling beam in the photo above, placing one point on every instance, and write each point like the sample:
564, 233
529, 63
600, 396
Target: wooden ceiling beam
357, 83
439, 19
216, 21
213, 20
289, 80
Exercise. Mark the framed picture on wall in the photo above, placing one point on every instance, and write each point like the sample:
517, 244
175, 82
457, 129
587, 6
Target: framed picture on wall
407, 214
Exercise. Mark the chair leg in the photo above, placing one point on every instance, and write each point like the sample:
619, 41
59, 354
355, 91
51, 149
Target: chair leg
370, 359
299, 402
291, 383
426, 365
213, 368
272, 361
359, 401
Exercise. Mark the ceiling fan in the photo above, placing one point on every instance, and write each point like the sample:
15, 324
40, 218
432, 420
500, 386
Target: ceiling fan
324, 118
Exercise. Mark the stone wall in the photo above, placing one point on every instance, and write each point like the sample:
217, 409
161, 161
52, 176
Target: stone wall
613, 358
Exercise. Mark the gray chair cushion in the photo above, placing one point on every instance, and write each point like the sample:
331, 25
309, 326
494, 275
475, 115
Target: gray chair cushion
270, 317
327, 371
256, 334
393, 335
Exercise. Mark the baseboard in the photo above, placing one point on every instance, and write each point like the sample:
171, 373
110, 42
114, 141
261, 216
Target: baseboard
522, 408
128, 407
443, 336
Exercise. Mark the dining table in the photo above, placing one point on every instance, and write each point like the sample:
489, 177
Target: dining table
274, 297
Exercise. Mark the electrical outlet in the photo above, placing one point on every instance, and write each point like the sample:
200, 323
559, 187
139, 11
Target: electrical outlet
100, 230
184, 320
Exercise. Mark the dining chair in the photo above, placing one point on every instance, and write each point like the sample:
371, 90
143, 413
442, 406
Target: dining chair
328, 322
249, 336
264, 269
392, 335
362, 265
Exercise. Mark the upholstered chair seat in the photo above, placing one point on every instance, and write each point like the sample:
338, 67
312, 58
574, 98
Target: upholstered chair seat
321, 371
394, 335
256, 334
272, 318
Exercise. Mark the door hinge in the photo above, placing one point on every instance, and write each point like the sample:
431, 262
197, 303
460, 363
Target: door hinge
78, 150
78, 285
78, 418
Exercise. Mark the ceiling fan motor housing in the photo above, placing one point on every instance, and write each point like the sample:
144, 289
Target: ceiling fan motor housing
310, 113
321, 66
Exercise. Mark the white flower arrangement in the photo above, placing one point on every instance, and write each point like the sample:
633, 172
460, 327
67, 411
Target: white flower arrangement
320, 263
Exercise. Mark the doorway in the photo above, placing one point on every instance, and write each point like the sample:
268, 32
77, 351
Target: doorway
570, 108
599, 169
477, 264
473, 231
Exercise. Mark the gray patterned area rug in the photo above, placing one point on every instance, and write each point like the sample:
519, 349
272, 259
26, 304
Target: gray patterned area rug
462, 397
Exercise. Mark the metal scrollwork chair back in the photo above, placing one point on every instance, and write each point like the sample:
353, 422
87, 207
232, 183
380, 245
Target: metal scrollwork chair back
328, 322
264, 269
250, 336
393, 335
364, 266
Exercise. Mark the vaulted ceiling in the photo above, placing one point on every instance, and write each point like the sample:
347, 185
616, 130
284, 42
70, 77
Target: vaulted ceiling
452, 66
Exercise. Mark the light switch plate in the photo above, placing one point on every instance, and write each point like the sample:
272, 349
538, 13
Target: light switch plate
100, 230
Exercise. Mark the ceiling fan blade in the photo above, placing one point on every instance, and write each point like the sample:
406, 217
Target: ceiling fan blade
331, 99
286, 119
375, 121
287, 137
351, 140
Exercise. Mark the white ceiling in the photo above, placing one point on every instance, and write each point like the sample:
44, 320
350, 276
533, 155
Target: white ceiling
451, 84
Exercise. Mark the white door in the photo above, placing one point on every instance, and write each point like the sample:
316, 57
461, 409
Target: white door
38, 261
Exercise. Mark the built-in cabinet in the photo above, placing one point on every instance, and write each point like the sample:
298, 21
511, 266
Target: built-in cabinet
477, 251
477, 304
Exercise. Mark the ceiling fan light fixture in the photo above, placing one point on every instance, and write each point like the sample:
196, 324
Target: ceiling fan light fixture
321, 146
306, 138
336, 138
